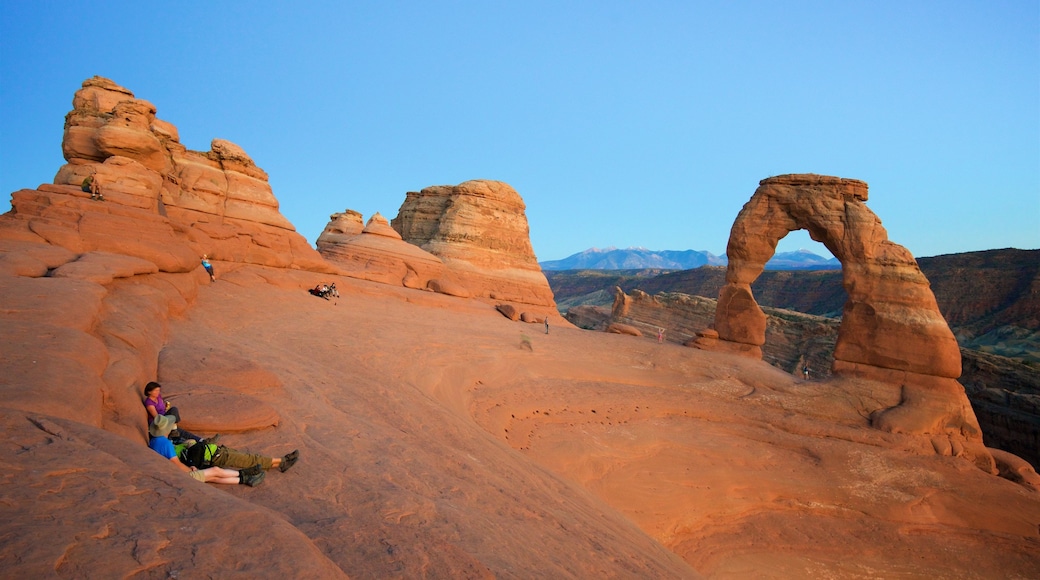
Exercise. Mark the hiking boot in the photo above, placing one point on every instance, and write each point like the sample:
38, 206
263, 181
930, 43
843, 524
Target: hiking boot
252, 470
253, 479
289, 460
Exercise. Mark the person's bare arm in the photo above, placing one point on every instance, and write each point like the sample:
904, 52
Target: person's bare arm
181, 466
151, 411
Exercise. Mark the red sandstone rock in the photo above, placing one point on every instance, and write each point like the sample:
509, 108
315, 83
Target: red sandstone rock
139, 163
509, 311
480, 232
341, 227
618, 328
448, 287
891, 326
431, 446
379, 254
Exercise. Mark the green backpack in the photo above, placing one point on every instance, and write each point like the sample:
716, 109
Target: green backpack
200, 455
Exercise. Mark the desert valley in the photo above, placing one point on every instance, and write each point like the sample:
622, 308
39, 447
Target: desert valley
451, 422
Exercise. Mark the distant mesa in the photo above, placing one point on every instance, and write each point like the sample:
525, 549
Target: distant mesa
891, 328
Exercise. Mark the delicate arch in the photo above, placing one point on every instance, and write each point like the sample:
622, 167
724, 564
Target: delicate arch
890, 320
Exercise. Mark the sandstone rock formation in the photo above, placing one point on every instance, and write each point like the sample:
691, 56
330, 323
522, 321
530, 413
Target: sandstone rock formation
891, 328
163, 202
430, 445
479, 230
341, 227
377, 252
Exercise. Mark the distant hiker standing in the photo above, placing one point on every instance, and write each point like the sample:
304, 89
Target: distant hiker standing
660, 335
546, 325
208, 267
805, 371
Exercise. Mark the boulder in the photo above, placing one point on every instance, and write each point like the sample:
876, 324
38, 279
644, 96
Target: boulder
442, 286
618, 328
509, 311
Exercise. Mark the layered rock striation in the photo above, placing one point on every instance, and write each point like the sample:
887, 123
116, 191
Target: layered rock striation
376, 252
479, 230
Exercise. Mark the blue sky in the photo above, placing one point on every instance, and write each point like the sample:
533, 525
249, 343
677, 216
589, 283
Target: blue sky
644, 123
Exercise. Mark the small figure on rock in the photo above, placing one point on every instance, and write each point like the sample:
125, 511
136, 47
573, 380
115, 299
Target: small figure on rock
805, 371
160, 443
208, 267
660, 335
546, 325
92, 185
324, 291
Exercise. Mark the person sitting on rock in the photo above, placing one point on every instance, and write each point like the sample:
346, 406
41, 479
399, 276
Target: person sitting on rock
156, 407
161, 444
333, 291
92, 186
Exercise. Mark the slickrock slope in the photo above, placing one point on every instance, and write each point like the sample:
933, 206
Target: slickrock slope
435, 443
479, 230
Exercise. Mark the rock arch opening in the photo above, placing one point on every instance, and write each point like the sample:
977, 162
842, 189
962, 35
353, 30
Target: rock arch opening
891, 329
890, 319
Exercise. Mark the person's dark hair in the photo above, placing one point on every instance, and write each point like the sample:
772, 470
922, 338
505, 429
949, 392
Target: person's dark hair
151, 387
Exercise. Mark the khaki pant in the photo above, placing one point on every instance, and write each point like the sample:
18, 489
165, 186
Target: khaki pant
234, 459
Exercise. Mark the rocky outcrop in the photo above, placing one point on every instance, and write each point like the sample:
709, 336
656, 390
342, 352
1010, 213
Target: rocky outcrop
891, 328
377, 252
162, 202
341, 227
479, 230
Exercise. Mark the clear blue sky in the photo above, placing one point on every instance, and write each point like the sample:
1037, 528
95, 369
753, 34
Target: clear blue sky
643, 123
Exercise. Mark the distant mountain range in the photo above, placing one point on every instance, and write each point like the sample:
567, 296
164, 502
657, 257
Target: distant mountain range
642, 258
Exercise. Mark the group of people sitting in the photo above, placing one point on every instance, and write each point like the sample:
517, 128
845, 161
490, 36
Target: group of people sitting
325, 290
204, 459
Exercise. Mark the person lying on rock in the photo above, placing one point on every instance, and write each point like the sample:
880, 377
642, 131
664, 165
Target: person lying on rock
321, 291
207, 453
161, 444
156, 407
